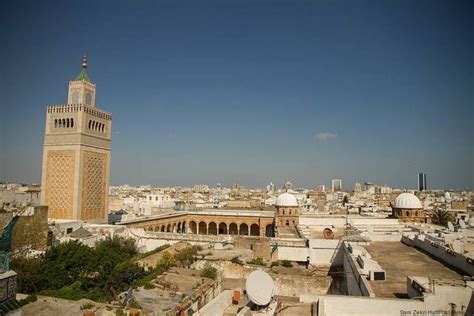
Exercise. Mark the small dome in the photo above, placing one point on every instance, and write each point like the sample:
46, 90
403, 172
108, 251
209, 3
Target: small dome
408, 201
286, 199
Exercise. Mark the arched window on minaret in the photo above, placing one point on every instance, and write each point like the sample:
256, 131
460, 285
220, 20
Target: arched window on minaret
72, 122
56, 123
67, 123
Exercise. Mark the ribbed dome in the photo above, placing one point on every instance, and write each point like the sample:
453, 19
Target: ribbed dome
408, 201
286, 199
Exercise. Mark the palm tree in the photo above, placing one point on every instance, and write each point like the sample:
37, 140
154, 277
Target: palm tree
441, 217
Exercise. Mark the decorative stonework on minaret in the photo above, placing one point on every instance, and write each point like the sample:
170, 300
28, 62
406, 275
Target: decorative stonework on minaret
76, 154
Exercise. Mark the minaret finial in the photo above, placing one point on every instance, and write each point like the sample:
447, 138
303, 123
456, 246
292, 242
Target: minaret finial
84, 62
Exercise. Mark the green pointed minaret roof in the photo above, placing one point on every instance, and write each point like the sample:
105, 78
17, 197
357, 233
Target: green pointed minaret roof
83, 74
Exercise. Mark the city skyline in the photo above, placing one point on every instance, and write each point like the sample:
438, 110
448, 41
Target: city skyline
253, 93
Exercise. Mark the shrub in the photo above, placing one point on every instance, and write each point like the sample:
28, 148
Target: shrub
27, 300
275, 264
286, 264
120, 312
209, 272
149, 286
257, 261
87, 306
236, 260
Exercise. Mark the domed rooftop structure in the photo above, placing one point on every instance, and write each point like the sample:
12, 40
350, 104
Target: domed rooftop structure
286, 199
407, 201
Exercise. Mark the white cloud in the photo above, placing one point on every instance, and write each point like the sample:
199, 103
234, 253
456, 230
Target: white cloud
324, 136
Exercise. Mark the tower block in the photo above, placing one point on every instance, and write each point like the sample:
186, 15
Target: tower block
76, 155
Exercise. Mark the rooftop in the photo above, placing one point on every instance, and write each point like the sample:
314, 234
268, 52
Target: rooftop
399, 261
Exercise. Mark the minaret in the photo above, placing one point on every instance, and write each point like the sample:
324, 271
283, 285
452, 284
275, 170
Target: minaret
76, 154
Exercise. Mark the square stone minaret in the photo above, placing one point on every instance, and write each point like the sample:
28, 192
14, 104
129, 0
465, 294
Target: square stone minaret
76, 155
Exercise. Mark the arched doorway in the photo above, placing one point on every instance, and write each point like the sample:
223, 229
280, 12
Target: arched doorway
269, 231
212, 230
179, 228
168, 228
244, 229
183, 228
222, 229
193, 227
173, 229
233, 230
202, 228
254, 230
163, 228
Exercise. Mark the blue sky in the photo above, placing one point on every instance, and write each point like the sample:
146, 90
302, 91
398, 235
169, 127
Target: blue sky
237, 91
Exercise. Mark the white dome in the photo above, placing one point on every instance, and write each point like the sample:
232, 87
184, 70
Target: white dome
408, 201
286, 199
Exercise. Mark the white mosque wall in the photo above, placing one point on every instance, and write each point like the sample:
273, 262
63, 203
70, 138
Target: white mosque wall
325, 252
364, 306
292, 253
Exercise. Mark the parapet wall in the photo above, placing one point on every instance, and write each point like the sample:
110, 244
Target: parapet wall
443, 253
357, 283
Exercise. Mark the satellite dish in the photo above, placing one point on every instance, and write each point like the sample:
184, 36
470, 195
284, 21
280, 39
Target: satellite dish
462, 224
450, 226
259, 287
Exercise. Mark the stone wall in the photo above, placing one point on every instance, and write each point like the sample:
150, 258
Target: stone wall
30, 230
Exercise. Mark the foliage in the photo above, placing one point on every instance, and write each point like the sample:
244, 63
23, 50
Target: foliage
345, 200
87, 306
209, 272
236, 260
149, 286
286, 264
132, 303
30, 277
257, 261
441, 217
120, 312
152, 252
185, 257
275, 264
27, 300
74, 271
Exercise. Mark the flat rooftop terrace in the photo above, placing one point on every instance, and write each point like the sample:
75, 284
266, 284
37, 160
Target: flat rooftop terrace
399, 261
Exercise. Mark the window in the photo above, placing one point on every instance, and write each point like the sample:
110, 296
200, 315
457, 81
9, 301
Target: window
72, 122
88, 98
75, 97
69, 230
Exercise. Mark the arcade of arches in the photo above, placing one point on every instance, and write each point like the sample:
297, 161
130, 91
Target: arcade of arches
204, 224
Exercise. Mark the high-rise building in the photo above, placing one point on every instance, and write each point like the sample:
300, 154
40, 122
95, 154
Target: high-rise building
336, 185
76, 154
357, 187
422, 181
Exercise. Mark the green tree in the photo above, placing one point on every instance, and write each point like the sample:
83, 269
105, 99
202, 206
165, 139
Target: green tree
30, 277
65, 264
441, 217
345, 200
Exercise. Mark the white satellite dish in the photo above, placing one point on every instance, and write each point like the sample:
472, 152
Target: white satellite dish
462, 224
259, 287
450, 226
